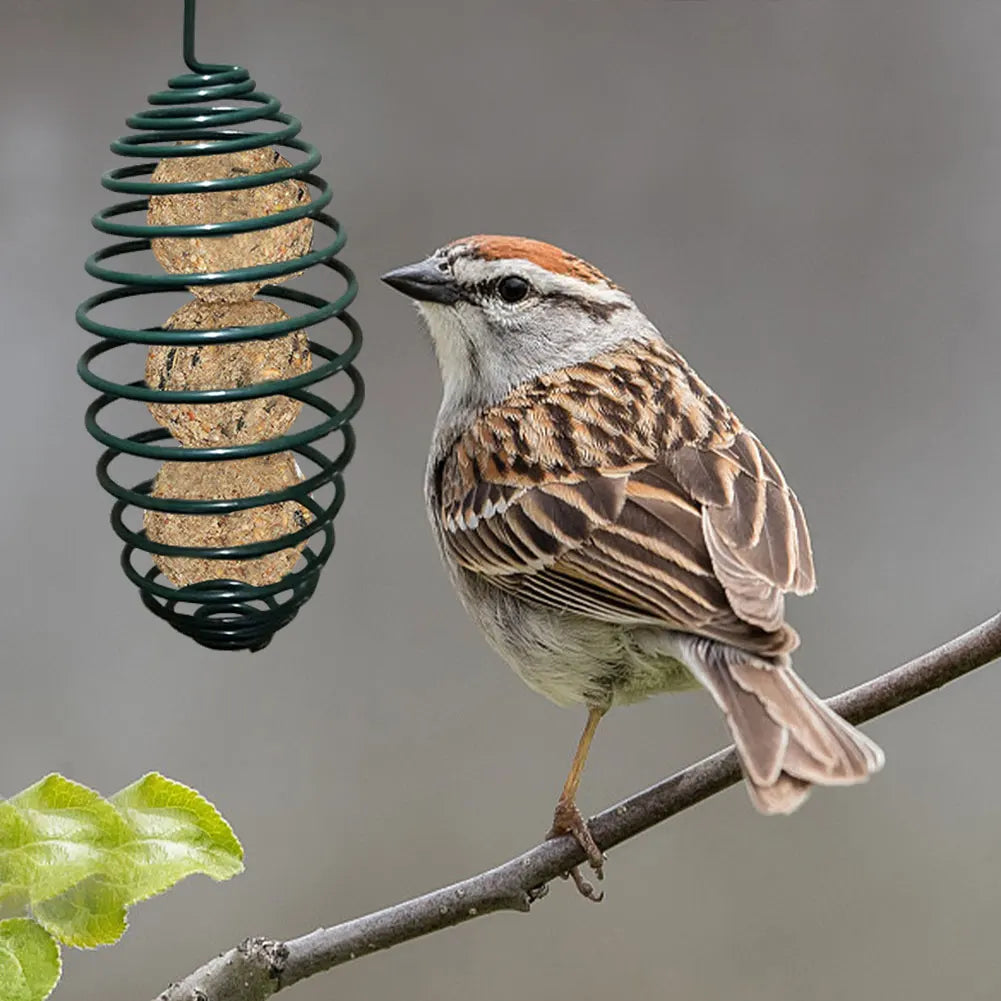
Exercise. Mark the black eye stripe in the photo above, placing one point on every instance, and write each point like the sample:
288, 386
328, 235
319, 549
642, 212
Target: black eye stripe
482, 291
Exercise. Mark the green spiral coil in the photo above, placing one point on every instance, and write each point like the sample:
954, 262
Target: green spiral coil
221, 614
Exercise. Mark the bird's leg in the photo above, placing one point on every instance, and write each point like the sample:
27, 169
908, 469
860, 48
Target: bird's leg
567, 818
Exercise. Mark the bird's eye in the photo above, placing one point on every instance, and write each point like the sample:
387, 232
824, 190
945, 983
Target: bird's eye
512, 288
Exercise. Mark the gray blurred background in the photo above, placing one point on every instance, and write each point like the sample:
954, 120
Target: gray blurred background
805, 197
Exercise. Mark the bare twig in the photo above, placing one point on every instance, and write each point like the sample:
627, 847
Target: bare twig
259, 968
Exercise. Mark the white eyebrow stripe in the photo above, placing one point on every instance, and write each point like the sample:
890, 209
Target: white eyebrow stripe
475, 271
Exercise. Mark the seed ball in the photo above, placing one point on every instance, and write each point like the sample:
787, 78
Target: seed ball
225, 366
202, 254
224, 481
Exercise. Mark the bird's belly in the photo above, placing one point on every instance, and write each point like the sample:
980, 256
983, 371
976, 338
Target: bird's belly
573, 659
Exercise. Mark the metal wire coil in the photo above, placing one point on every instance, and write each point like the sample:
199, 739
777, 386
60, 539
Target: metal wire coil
221, 614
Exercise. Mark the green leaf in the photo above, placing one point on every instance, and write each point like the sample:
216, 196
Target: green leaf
87, 915
29, 961
56, 833
175, 832
80, 861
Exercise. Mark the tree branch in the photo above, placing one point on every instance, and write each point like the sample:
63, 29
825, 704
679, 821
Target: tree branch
259, 968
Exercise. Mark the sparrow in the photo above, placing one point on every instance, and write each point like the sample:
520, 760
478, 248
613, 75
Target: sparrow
609, 523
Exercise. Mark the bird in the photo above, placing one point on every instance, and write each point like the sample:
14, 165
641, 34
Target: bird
609, 523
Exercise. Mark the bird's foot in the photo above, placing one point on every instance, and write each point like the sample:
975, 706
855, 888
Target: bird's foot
568, 820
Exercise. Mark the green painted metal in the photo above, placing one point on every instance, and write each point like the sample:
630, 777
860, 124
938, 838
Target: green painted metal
221, 614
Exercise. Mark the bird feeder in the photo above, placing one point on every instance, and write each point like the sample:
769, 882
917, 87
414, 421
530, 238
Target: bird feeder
228, 529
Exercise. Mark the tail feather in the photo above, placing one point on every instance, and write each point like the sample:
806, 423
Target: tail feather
785, 795
787, 738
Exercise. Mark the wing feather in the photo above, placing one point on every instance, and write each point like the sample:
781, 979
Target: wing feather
759, 544
681, 516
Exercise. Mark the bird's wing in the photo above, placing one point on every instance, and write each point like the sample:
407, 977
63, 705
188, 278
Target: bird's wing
624, 490
752, 523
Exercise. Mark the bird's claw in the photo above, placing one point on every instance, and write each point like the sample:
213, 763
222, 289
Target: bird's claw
584, 888
568, 820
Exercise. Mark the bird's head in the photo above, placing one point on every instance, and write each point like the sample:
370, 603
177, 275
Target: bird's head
503, 309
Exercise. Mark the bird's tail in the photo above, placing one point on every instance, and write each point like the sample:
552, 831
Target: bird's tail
787, 738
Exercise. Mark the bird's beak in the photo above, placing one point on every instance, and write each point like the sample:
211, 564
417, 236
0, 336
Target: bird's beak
424, 281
